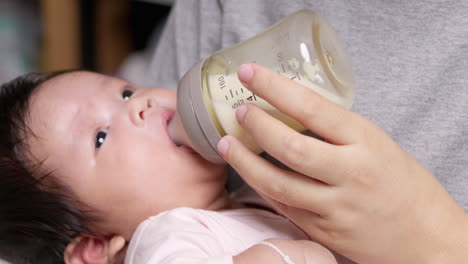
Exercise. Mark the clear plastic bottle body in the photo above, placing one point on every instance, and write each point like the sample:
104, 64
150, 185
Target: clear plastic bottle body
302, 47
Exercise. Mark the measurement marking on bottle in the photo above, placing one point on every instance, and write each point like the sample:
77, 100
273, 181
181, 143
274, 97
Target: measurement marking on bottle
252, 97
221, 82
237, 104
242, 90
232, 95
298, 76
237, 93
294, 77
227, 99
282, 66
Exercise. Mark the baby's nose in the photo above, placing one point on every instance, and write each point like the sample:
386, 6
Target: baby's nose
139, 108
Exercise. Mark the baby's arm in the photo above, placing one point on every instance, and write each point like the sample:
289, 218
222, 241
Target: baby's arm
298, 251
179, 237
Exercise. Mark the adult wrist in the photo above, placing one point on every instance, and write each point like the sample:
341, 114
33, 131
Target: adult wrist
452, 245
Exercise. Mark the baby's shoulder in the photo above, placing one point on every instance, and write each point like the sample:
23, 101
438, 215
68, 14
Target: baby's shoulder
172, 218
165, 234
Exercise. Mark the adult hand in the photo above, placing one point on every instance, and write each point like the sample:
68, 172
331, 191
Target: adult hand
356, 191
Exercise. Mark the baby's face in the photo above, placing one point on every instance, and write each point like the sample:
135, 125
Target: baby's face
108, 141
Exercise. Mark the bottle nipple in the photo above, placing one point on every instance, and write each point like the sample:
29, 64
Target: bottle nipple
177, 132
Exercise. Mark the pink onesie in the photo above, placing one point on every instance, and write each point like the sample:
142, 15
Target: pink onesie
186, 235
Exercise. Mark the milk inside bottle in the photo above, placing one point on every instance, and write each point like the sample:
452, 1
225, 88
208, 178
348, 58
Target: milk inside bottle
303, 47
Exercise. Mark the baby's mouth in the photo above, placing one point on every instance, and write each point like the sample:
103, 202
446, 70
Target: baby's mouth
166, 119
174, 130
177, 133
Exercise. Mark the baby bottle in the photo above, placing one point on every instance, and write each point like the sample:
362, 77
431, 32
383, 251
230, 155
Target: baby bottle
302, 47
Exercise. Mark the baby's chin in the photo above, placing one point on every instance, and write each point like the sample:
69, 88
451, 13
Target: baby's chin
216, 169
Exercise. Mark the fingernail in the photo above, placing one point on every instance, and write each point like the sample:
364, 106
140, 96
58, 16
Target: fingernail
245, 72
223, 146
240, 112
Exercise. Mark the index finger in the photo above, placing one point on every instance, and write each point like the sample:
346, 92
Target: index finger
318, 114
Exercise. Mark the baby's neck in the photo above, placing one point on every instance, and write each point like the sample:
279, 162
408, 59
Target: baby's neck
224, 202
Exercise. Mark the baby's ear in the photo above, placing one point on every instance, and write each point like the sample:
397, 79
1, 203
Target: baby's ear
93, 250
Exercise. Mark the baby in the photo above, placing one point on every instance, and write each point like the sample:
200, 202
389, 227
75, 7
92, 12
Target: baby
89, 174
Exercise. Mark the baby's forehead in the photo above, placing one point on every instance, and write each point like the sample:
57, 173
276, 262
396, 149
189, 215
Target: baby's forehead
61, 96
73, 87
55, 104
68, 82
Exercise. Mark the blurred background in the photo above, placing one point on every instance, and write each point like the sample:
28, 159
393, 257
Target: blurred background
99, 35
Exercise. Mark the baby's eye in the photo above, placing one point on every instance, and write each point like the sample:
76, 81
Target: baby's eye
126, 94
100, 137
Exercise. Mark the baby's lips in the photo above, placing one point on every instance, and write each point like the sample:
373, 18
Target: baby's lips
177, 132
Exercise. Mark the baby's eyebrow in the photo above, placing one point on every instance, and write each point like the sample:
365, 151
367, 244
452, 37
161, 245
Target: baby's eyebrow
127, 86
111, 83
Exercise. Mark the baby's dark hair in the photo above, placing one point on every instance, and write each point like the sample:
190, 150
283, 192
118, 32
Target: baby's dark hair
39, 216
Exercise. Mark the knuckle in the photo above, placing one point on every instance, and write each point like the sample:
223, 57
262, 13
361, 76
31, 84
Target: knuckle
372, 135
368, 135
332, 233
308, 111
360, 172
280, 192
295, 149
362, 177
335, 235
